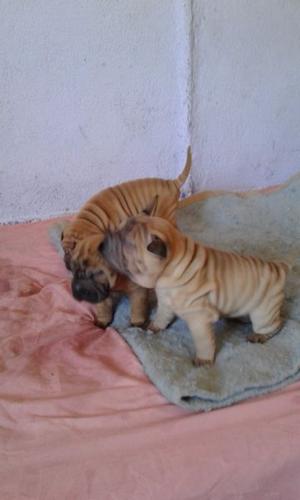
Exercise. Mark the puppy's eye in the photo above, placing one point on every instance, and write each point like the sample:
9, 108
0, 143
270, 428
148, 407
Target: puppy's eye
99, 273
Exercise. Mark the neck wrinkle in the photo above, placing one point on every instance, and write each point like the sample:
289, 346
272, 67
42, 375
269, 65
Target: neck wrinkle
181, 269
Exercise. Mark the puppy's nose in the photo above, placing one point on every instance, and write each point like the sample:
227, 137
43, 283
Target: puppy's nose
85, 290
77, 290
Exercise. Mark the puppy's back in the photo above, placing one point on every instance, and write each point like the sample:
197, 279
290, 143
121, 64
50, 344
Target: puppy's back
244, 282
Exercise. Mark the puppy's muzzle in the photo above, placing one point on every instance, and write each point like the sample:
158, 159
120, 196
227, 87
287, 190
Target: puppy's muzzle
86, 290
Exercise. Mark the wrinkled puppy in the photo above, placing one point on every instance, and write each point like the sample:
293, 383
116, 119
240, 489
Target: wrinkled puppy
197, 283
90, 283
93, 278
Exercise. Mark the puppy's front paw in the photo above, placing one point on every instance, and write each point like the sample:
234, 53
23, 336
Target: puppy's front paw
203, 362
140, 324
153, 327
257, 338
101, 324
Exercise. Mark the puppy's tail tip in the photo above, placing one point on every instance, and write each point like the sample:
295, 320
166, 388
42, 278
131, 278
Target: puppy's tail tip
187, 168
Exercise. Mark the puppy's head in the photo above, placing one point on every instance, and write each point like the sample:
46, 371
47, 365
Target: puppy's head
140, 249
93, 277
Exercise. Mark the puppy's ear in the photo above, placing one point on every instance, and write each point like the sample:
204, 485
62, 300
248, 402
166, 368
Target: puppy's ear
69, 244
150, 209
158, 247
104, 244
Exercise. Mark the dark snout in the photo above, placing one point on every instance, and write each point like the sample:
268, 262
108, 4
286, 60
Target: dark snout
84, 289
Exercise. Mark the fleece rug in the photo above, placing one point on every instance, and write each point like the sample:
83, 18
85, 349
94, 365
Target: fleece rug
266, 225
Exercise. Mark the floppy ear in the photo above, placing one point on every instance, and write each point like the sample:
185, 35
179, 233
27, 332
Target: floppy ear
69, 244
104, 245
157, 247
150, 209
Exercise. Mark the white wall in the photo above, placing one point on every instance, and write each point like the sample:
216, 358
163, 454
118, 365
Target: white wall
246, 101
92, 92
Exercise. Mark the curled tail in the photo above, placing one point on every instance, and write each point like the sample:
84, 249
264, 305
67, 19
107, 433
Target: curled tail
187, 168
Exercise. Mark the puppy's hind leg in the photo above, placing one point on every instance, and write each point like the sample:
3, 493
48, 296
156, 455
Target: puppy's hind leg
266, 321
257, 337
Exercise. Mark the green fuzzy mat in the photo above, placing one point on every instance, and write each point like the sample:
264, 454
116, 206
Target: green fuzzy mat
267, 225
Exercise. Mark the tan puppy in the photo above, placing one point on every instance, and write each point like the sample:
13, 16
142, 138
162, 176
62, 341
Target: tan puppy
197, 283
93, 278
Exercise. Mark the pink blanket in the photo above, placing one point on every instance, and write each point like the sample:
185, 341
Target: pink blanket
80, 420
